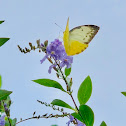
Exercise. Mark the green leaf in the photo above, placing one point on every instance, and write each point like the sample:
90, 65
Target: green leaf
85, 91
124, 93
4, 94
77, 116
103, 124
49, 83
0, 81
14, 122
87, 115
3, 41
7, 123
61, 103
1, 22
67, 71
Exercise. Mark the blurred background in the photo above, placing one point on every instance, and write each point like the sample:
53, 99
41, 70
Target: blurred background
104, 60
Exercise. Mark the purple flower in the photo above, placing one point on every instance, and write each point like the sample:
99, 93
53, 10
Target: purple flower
66, 60
2, 121
71, 119
79, 123
57, 51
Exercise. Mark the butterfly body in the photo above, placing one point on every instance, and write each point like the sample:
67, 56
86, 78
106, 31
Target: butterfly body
77, 39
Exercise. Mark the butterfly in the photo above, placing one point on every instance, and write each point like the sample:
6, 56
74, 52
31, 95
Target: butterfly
77, 39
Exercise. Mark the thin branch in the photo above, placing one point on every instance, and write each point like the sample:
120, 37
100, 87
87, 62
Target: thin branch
67, 88
52, 106
43, 116
66, 84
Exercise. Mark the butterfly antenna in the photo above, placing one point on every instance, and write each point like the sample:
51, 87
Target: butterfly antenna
58, 26
60, 31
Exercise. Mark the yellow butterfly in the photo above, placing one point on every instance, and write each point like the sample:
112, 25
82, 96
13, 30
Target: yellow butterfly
77, 39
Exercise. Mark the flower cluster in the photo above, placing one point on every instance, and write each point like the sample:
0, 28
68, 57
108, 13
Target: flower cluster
2, 120
57, 51
79, 123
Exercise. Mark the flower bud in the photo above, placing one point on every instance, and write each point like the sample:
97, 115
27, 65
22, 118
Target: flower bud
46, 43
38, 43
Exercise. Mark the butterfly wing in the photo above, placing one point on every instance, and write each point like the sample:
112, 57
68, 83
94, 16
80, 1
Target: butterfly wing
84, 33
77, 39
66, 38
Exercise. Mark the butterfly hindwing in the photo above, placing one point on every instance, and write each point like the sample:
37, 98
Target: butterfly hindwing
83, 34
76, 47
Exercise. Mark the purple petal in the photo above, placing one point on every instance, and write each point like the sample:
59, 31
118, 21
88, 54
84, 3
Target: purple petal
62, 64
71, 119
68, 65
44, 58
50, 68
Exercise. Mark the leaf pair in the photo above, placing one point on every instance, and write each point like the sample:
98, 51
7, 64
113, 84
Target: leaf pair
54, 84
84, 94
84, 91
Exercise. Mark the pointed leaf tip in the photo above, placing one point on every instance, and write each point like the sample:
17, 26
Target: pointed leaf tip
3, 41
124, 93
4, 94
1, 22
103, 124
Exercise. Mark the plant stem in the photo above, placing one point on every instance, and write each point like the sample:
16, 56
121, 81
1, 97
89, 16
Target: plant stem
66, 84
67, 88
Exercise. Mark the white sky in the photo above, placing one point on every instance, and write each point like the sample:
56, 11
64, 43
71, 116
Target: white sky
104, 60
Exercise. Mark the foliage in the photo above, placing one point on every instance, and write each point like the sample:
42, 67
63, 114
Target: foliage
124, 93
61, 63
3, 40
83, 115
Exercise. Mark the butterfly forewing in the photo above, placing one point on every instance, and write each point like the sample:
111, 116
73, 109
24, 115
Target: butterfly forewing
83, 34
